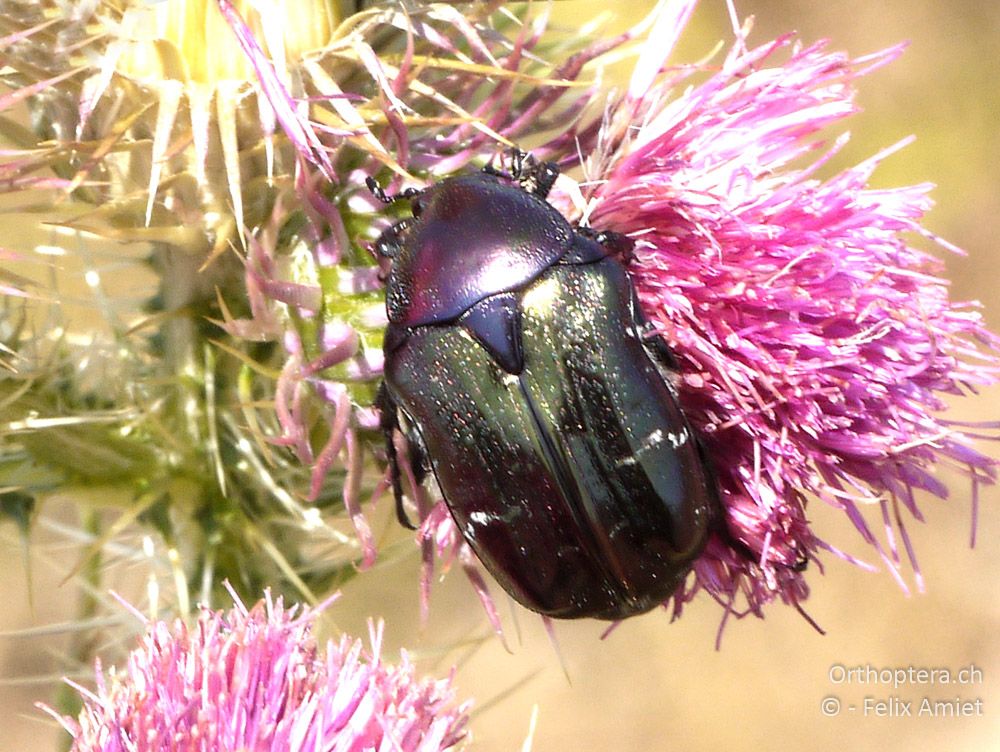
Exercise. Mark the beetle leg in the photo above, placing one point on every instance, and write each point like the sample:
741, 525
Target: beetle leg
657, 349
617, 245
536, 177
802, 564
584, 250
517, 161
418, 456
544, 176
718, 522
389, 423
490, 169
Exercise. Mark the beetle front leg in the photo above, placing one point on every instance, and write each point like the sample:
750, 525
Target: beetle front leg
615, 243
389, 424
536, 177
518, 159
544, 176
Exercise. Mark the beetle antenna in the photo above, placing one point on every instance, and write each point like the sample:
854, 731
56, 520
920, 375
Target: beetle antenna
377, 190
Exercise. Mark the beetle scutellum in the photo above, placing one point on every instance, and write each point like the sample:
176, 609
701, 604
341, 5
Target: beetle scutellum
516, 351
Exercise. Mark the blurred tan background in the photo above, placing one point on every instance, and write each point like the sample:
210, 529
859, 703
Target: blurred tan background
653, 685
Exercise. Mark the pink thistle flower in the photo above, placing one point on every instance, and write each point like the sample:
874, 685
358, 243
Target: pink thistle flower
256, 680
815, 344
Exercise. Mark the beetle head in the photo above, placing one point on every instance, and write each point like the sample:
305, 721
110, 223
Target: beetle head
533, 176
390, 242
